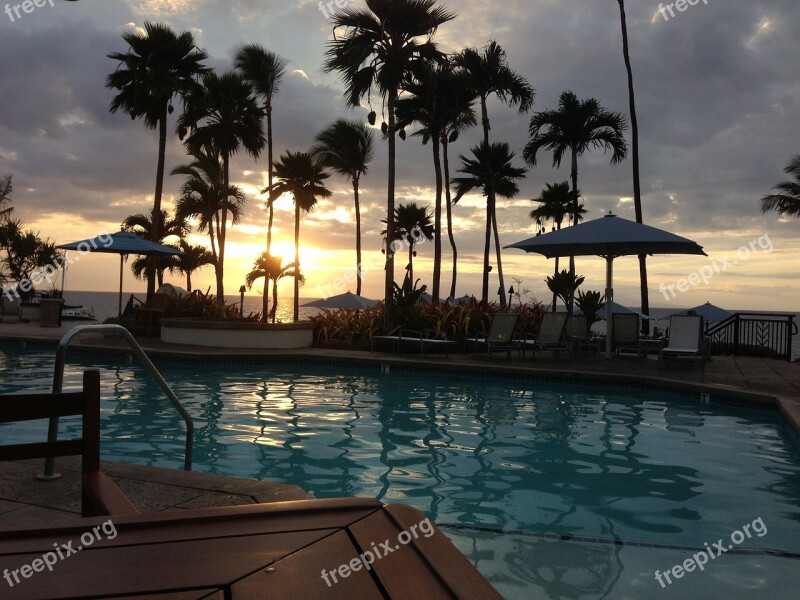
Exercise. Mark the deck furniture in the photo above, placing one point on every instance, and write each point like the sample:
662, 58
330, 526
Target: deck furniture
685, 339
147, 317
576, 332
10, 309
99, 494
550, 335
307, 549
625, 332
500, 335
424, 340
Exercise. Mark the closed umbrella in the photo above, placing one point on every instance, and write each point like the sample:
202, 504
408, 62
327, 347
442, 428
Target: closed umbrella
610, 236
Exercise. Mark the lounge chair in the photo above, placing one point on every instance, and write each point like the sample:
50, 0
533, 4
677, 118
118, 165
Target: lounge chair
550, 336
685, 339
10, 310
406, 337
148, 317
625, 332
577, 333
500, 335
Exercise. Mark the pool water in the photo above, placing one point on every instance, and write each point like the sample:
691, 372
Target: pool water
551, 490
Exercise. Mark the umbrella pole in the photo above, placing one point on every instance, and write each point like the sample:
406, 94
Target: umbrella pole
609, 299
120, 283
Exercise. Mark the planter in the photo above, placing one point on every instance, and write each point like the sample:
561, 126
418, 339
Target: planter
30, 312
237, 334
51, 312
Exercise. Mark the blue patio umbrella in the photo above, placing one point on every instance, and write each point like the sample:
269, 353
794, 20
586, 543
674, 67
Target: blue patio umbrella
122, 243
610, 237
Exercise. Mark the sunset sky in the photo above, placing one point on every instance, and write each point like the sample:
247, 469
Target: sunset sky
718, 100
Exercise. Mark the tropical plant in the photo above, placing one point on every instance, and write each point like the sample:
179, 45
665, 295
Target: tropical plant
490, 168
590, 303
412, 224
6, 189
222, 118
555, 203
489, 75
167, 227
25, 259
298, 174
346, 147
272, 269
158, 66
204, 196
406, 299
564, 284
379, 47
194, 257
787, 200
264, 70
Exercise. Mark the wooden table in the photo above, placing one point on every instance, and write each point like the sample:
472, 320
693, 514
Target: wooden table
264, 551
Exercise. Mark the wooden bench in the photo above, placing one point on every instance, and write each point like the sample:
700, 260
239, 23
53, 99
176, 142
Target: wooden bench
100, 495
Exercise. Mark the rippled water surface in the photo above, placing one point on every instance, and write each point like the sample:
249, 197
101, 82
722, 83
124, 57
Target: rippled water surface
552, 491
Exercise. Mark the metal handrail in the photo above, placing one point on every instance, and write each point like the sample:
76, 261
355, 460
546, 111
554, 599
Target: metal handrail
58, 381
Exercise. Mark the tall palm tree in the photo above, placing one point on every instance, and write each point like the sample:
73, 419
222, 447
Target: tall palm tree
787, 200
412, 223
223, 117
271, 268
490, 75
347, 148
379, 46
205, 197
6, 189
158, 66
637, 192
555, 204
433, 102
264, 70
490, 168
193, 258
298, 174
143, 225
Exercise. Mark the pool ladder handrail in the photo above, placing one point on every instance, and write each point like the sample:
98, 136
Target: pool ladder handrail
58, 382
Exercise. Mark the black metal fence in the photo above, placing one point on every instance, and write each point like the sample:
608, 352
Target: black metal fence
754, 334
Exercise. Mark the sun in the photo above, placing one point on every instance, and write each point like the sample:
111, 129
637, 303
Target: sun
309, 256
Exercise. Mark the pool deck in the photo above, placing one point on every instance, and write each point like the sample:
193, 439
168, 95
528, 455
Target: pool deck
25, 502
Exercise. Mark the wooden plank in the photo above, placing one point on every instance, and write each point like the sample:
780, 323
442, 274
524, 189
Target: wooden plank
299, 576
29, 407
158, 567
212, 594
41, 450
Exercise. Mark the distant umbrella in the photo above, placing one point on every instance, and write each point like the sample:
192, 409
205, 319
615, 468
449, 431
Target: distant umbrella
709, 312
346, 300
617, 309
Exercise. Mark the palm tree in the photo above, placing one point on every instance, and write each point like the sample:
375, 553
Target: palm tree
158, 66
555, 203
412, 223
438, 102
223, 118
490, 169
637, 193
347, 148
143, 225
264, 70
272, 269
193, 258
787, 201
379, 46
6, 189
490, 75
204, 197
301, 176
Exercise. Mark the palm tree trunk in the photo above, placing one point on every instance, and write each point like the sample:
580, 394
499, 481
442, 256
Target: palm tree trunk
446, 161
212, 227
297, 262
188, 281
154, 231
574, 177
491, 199
411, 261
499, 260
388, 288
222, 231
358, 236
489, 211
437, 221
274, 310
270, 210
637, 192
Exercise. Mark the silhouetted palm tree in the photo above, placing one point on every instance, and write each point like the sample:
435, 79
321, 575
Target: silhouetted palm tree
193, 258
6, 189
380, 47
347, 148
158, 66
787, 201
490, 75
272, 269
489, 169
412, 223
264, 70
298, 174
205, 197
223, 117
167, 227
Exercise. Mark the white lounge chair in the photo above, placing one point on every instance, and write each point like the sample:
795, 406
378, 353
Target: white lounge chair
685, 339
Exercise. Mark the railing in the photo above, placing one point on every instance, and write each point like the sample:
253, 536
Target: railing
754, 334
58, 382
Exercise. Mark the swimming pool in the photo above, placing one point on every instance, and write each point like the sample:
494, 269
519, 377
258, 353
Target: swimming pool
552, 490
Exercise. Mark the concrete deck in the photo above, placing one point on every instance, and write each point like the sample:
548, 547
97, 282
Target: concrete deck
24, 501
